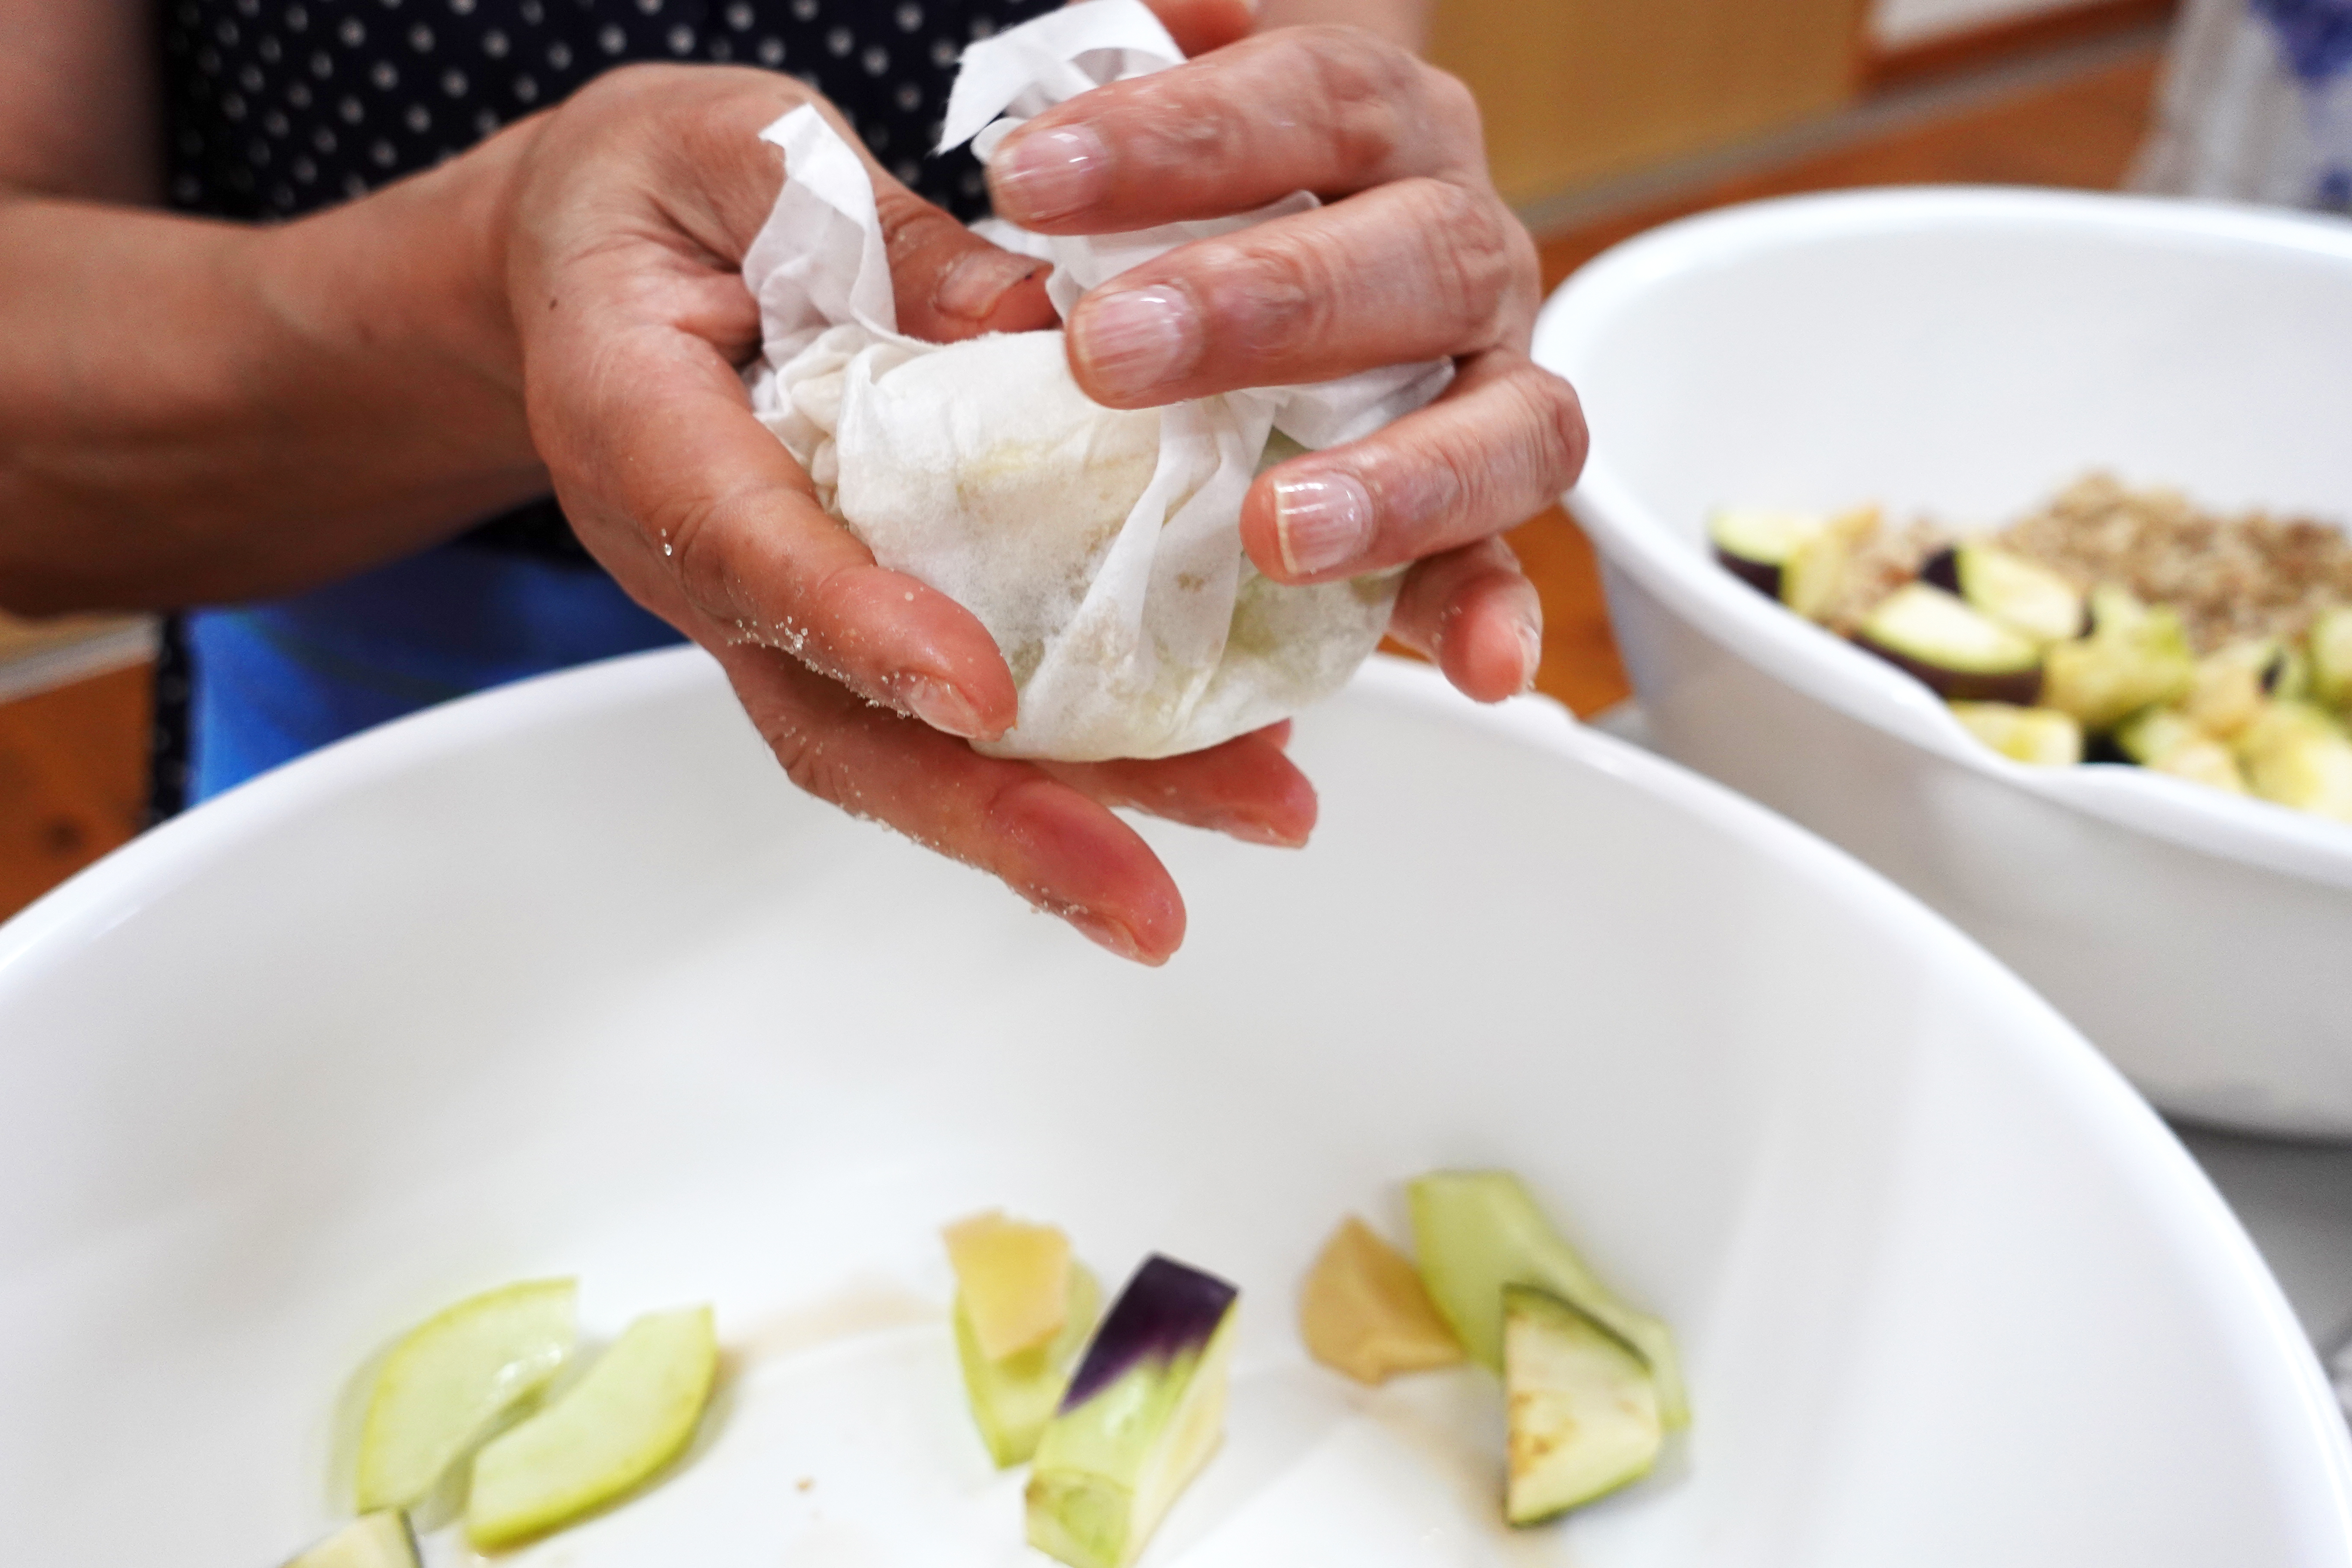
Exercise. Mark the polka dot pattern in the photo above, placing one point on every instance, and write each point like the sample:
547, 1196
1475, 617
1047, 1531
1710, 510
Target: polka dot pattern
277, 108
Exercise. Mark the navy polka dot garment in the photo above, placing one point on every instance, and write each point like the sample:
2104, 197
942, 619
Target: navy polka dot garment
273, 109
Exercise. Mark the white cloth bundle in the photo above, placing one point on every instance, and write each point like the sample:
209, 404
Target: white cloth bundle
1101, 548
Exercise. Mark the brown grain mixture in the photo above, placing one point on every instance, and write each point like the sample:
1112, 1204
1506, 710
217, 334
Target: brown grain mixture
2253, 575
2231, 578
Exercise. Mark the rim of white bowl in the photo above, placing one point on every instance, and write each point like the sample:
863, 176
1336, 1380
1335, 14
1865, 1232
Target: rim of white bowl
1656, 554
2109, 1114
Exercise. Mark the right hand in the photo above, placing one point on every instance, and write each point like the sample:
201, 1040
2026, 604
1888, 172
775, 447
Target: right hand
624, 219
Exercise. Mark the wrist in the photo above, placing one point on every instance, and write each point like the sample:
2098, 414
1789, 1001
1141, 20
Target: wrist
406, 291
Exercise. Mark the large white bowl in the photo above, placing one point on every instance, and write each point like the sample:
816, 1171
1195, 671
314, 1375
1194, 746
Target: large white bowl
1965, 353
568, 979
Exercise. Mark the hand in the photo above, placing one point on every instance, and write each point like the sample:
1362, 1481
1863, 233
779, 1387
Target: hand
1414, 257
627, 218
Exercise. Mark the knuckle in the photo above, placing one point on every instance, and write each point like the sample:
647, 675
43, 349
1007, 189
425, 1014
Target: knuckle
1179, 121
1469, 256
1453, 108
1275, 297
1553, 422
1434, 483
800, 748
691, 532
1360, 82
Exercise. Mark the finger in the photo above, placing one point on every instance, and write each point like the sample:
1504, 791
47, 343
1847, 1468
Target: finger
1497, 447
1063, 852
1415, 270
723, 515
719, 183
1329, 110
951, 284
1473, 612
1200, 26
1245, 788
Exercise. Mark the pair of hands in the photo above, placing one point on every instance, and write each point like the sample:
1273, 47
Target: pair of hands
631, 209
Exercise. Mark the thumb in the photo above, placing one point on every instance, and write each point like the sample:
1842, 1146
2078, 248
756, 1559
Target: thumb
1200, 25
950, 283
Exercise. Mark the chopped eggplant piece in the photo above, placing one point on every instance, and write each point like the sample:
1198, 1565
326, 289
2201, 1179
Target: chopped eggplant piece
1365, 1312
1477, 1231
371, 1541
1582, 1406
1012, 1399
2019, 593
448, 1384
1012, 1279
2043, 736
1141, 1419
2232, 685
2134, 657
1754, 543
2164, 741
632, 1411
2330, 644
1962, 655
2297, 755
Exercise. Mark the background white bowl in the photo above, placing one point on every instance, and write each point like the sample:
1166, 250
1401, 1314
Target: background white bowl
1965, 353
566, 978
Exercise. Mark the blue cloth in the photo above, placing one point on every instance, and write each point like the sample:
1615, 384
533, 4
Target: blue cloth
270, 681
2317, 35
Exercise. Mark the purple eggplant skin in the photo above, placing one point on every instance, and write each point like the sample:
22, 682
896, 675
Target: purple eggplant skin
1942, 570
1166, 1310
1763, 576
2021, 686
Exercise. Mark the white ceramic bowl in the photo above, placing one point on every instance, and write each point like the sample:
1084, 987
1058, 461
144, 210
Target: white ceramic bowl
567, 979
1965, 353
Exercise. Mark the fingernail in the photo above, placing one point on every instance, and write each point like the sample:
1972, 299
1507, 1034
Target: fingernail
938, 704
973, 286
1321, 522
1530, 653
1049, 174
1251, 831
1131, 341
1108, 935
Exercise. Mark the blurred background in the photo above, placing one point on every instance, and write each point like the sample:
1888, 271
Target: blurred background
1604, 117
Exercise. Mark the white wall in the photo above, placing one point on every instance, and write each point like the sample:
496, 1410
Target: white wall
1895, 24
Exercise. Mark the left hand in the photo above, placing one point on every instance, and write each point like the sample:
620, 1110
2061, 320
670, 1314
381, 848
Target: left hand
1413, 256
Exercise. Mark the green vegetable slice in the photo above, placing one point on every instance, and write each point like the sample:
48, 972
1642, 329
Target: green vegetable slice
1013, 1399
1582, 1406
633, 1412
1477, 1231
448, 1384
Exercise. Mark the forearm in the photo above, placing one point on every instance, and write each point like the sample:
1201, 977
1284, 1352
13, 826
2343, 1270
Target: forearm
192, 412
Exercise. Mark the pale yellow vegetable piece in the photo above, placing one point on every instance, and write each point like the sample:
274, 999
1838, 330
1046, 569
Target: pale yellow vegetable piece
2298, 756
448, 1384
633, 1412
1014, 1279
373, 1541
1364, 1310
2043, 736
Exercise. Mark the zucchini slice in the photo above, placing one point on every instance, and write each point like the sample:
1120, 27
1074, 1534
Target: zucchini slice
2019, 593
1582, 1406
1962, 653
